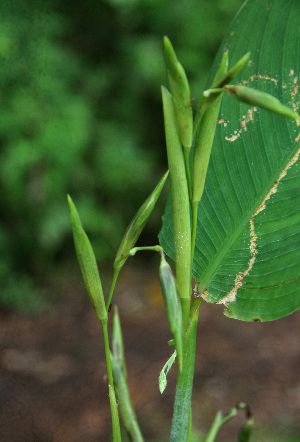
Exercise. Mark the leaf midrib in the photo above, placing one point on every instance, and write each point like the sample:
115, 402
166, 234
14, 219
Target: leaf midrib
227, 245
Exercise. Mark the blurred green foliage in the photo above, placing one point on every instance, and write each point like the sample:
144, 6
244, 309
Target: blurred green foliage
81, 114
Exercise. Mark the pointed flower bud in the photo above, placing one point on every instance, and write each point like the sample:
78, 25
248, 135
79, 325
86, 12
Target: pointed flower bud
261, 99
172, 306
211, 95
180, 203
137, 224
222, 78
229, 76
180, 91
205, 136
87, 263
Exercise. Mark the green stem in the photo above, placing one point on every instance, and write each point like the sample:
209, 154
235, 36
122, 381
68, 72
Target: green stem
197, 121
116, 431
182, 406
214, 429
219, 421
112, 288
133, 251
185, 304
146, 248
195, 308
107, 353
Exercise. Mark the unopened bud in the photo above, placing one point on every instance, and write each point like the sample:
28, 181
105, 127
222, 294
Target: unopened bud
229, 76
261, 99
180, 91
87, 263
137, 224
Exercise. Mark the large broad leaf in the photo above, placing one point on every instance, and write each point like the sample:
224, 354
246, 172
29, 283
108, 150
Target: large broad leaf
248, 240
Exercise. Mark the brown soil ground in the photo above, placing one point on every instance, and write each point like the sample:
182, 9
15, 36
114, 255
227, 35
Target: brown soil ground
53, 386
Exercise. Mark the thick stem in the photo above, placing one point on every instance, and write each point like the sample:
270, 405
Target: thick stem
182, 407
185, 303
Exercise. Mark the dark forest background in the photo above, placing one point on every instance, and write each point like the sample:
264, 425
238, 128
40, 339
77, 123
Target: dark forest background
81, 114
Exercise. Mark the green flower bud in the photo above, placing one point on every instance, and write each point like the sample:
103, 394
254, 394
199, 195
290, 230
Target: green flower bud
181, 96
222, 77
180, 204
137, 224
261, 99
172, 306
87, 263
208, 115
211, 95
220, 81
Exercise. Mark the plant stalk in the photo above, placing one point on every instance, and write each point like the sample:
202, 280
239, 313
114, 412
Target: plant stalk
181, 423
107, 353
112, 288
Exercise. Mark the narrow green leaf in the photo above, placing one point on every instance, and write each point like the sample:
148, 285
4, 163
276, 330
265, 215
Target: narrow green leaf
87, 263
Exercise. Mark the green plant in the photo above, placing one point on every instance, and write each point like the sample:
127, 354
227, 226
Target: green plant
213, 225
